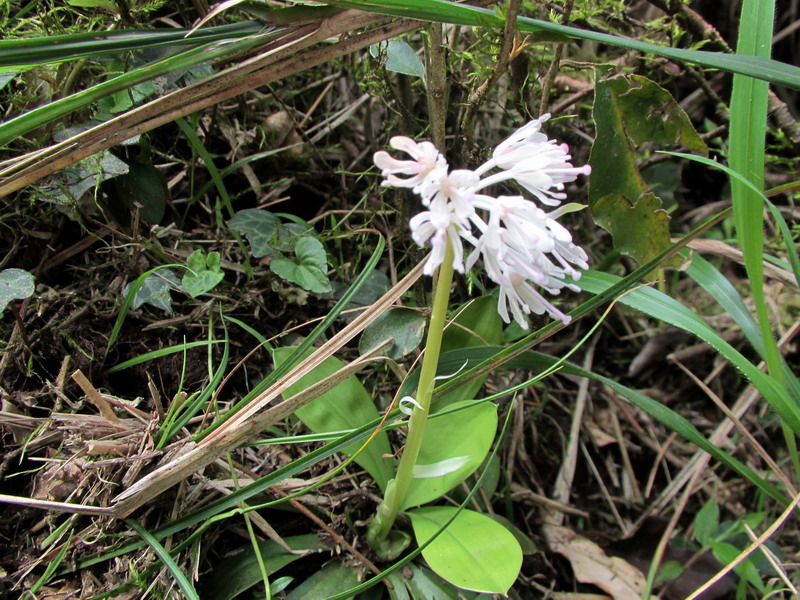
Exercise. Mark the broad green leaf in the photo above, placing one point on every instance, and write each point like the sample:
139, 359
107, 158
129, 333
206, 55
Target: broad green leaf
474, 552
204, 273
526, 544
465, 436
326, 583
344, 407
629, 111
310, 269
424, 583
144, 185
706, 522
239, 572
400, 58
259, 227
15, 284
405, 326
155, 290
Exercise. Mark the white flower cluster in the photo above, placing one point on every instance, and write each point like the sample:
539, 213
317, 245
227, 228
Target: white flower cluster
523, 247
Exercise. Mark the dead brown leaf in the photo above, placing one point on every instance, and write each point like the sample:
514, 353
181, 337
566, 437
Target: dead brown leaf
591, 564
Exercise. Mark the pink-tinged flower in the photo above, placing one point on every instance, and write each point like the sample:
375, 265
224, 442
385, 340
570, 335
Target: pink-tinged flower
427, 164
523, 246
517, 146
524, 249
448, 219
535, 162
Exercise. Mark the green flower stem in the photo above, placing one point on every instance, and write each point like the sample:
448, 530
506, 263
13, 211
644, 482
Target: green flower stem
396, 490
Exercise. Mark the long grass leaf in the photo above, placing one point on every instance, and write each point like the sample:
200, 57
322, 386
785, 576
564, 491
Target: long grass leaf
663, 307
462, 14
160, 353
43, 114
183, 582
21, 53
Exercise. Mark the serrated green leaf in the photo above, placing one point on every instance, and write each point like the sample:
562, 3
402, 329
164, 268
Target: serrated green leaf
15, 284
474, 552
405, 326
310, 269
204, 273
640, 229
155, 290
628, 111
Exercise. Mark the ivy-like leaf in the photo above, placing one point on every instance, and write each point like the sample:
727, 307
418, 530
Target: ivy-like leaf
204, 273
15, 284
265, 232
259, 226
155, 290
309, 272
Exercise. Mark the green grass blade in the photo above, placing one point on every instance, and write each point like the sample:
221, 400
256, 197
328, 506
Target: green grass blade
126, 304
663, 307
786, 234
21, 53
161, 352
461, 14
537, 361
208, 161
746, 156
39, 116
183, 582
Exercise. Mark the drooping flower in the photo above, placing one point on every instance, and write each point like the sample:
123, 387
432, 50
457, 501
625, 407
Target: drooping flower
447, 219
537, 163
520, 243
523, 247
426, 168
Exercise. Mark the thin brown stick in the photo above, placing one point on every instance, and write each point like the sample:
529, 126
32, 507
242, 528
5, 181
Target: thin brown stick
504, 57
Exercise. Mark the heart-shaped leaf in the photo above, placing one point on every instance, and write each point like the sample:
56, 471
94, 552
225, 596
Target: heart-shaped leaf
310, 269
204, 273
155, 290
259, 226
474, 552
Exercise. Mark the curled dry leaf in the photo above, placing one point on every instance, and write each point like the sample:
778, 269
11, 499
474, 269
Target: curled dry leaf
591, 564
